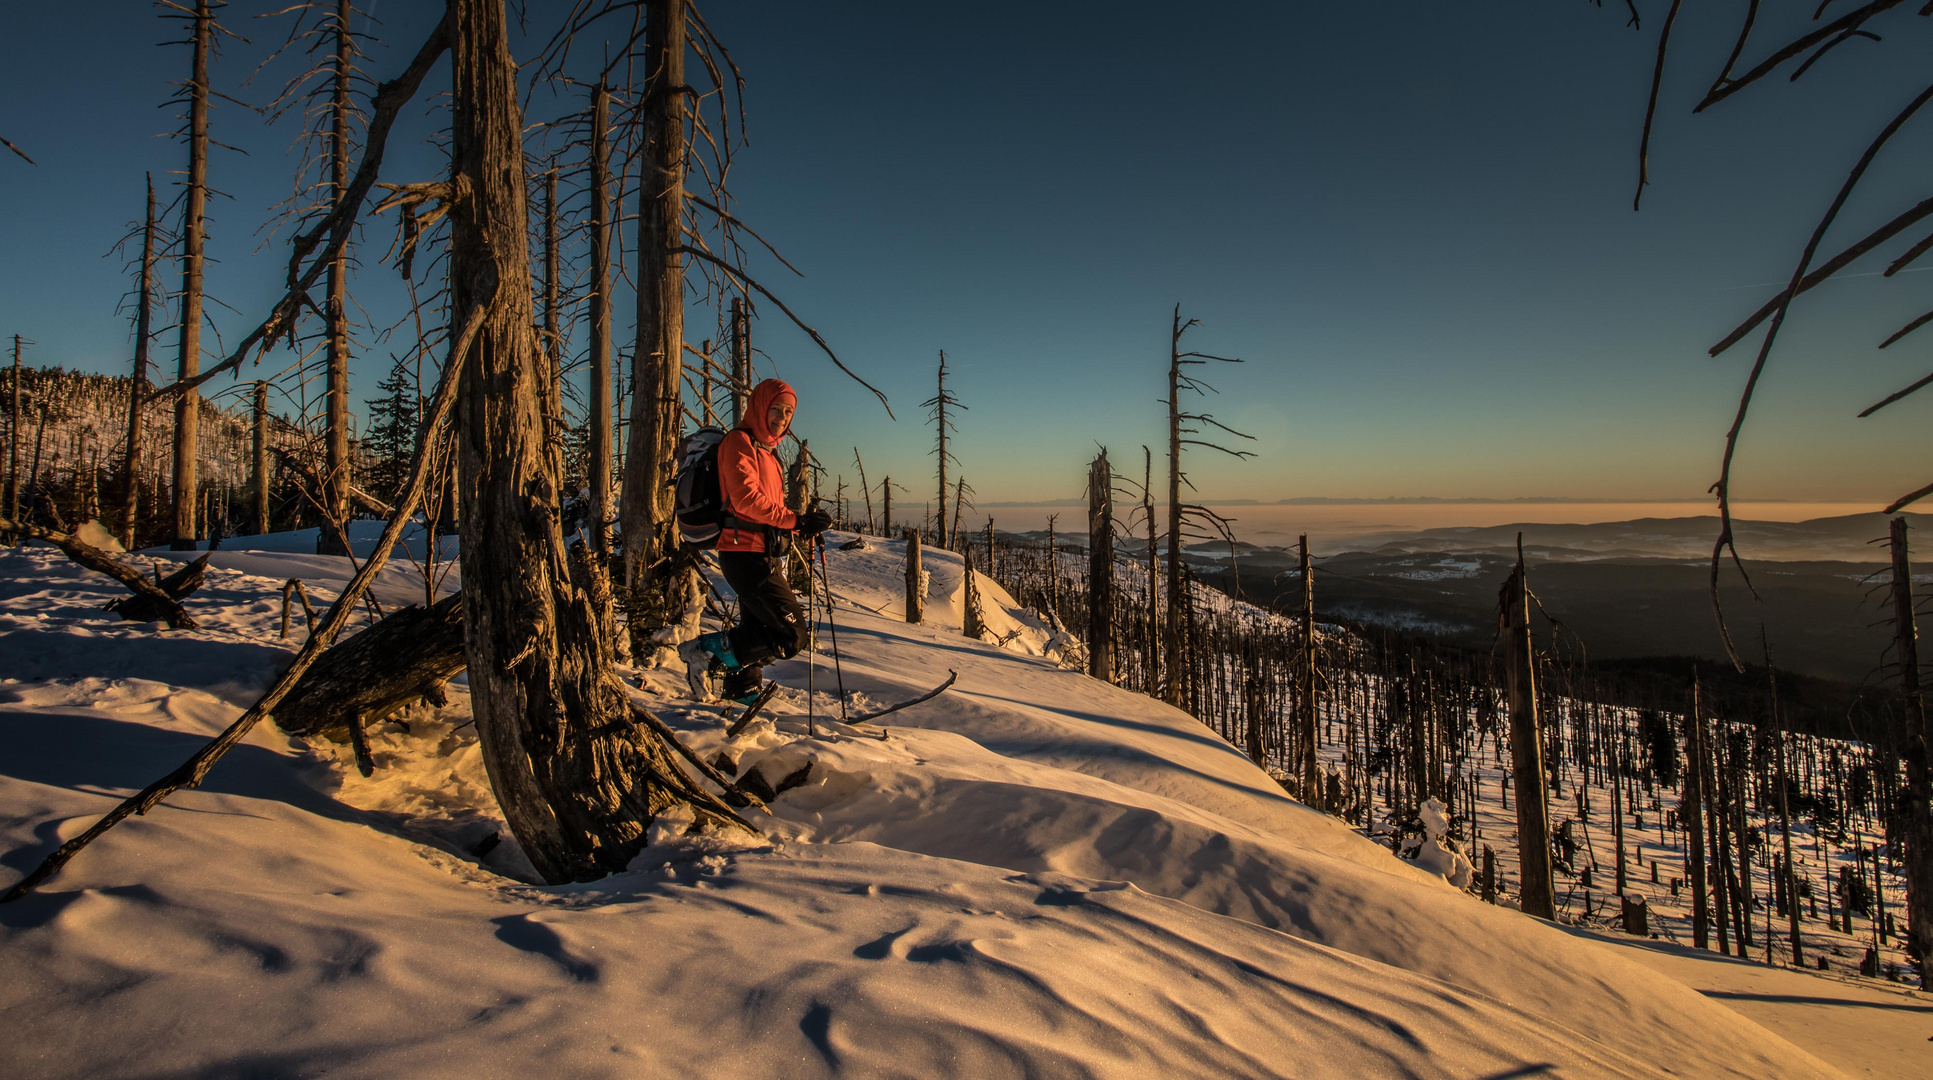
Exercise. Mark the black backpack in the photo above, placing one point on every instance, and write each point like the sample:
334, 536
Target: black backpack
700, 502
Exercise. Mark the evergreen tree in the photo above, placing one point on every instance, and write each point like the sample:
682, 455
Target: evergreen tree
392, 432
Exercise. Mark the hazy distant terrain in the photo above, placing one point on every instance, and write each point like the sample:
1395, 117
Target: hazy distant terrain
1626, 588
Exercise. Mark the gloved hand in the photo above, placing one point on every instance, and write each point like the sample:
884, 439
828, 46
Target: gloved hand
812, 523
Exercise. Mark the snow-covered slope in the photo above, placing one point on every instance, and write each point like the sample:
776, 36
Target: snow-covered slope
1034, 874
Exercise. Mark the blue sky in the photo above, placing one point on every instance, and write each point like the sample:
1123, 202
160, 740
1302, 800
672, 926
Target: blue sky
1411, 220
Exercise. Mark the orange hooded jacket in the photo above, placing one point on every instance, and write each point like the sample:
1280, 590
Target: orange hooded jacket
749, 476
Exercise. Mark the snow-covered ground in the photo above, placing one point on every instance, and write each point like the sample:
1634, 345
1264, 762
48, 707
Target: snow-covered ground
1034, 874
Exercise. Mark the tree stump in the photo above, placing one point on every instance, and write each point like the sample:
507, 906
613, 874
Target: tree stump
1637, 916
406, 657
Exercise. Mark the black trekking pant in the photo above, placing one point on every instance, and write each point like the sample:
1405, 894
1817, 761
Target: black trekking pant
771, 622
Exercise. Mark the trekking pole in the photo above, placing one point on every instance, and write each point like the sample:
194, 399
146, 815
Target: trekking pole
838, 670
811, 647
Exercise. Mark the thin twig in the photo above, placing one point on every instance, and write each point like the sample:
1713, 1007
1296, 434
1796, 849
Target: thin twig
951, 677
767, 293
1722, 488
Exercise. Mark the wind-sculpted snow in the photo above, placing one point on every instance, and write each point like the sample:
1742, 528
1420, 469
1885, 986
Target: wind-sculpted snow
1034, 874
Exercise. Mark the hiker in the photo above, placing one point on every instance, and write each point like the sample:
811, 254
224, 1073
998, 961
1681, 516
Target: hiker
753, 540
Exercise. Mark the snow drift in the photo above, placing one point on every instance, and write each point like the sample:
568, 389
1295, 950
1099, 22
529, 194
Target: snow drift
1035, 874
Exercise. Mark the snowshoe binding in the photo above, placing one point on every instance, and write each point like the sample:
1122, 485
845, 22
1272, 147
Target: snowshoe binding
741, 684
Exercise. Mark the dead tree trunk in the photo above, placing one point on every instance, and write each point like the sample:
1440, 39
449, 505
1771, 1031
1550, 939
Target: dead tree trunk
13, 433
1694, 814
1788, 880
577, 782
795, 478
600, 359
867, 491
1617, 811
742, 361
187, 486
1150, 663
1100, 569
553, 341
1306, 720
143, 329
658, 359
1916, 740
1171, 687
973, 623
886, 506
941, 425
1536, 892
339, 468
959, 504
258, 472
915, 585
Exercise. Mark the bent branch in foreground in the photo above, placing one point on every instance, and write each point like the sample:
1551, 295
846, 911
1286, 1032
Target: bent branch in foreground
193, 771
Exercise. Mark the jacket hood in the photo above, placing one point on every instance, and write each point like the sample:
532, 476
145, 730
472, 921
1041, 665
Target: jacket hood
763, 395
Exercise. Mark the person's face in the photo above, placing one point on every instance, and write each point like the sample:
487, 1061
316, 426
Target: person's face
778, 418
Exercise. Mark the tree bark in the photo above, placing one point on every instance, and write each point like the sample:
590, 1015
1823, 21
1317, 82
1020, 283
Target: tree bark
404, 658
1100, 569
658, 359
1536, 892
194, 213
600, 358
577, 783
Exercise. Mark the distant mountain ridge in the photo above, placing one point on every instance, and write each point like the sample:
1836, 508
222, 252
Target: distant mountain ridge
1849, 538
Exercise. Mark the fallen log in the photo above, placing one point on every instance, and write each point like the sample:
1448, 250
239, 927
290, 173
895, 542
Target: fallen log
406, 657
93, 558
146, 607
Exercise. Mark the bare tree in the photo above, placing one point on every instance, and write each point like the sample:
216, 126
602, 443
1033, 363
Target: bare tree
143, 331
193, 234
339, 474
942, 426
13, 436
1915, 738
658, 353
326, 92
1185, 519
600, 466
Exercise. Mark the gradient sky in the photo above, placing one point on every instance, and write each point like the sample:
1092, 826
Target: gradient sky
1412, 220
